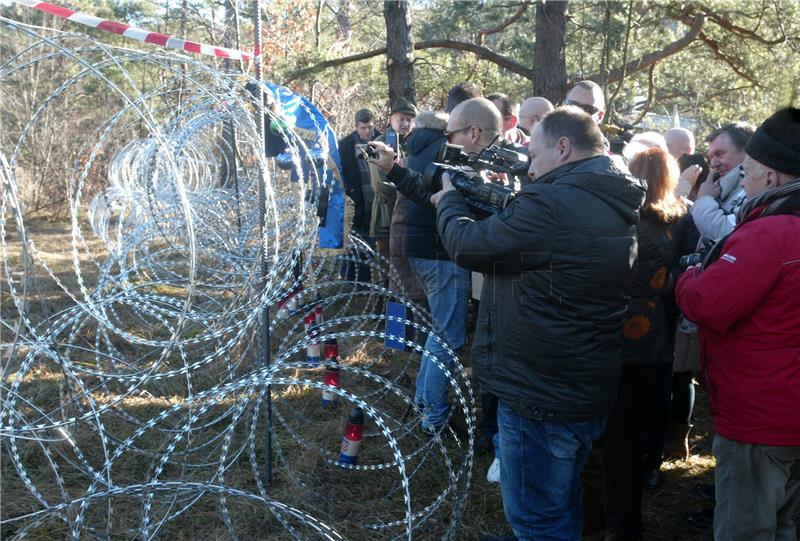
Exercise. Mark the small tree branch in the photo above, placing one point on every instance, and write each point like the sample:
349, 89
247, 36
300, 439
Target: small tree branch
744, 32
682, 94
523, 7
733, 63
650, 93
299, 74
479, 51
628, 26
484, 53
645, 61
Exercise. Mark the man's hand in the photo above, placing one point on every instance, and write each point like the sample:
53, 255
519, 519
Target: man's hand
446, 187
688, 179
709, 188
386, 156
690, 174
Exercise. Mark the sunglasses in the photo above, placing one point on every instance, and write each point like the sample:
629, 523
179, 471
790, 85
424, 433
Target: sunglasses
591, 109
449, 134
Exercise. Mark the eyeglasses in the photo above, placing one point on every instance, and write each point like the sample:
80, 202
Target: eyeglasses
591, 109
450, 133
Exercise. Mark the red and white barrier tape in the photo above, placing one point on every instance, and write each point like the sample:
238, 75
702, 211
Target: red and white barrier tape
137, 33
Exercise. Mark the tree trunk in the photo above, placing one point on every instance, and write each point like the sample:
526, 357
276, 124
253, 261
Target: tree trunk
399, 50
550, 66
184, 19
228, 177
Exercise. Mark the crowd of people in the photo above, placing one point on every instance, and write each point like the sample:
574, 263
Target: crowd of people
602, 291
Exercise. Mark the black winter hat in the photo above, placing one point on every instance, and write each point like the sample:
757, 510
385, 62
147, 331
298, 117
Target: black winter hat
776, 143
402, 105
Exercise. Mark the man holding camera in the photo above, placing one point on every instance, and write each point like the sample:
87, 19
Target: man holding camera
401, 124
473, 124
358, 185
751, 341
559, 265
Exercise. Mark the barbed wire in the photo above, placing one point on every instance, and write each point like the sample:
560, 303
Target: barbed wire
133, 400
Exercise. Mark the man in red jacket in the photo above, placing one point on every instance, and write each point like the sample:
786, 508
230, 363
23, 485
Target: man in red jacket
746, 302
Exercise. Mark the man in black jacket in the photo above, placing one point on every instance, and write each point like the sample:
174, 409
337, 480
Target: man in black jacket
356, 171
473, 125
558, 264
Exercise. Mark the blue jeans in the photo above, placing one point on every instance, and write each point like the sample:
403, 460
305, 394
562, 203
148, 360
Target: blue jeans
446, 287
540, 474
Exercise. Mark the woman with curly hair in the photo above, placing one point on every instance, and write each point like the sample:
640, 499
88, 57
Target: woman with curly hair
642, 409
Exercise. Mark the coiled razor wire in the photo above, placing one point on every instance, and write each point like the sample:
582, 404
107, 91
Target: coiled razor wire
133, 399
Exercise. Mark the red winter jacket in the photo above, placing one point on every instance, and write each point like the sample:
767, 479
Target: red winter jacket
747, 306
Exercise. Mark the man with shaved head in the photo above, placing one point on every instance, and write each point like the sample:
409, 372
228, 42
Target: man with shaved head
680, 142
588, 95
531, 111
473, 124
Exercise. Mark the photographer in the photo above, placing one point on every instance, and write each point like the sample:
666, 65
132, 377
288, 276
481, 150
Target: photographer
355, 172
559, 264
745, 304
473, 124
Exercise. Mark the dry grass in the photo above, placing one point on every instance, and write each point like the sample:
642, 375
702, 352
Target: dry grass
328, 492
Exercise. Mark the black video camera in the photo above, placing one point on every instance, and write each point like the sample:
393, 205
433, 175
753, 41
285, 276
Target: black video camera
699, 257
690, 260
463, 170
618, 135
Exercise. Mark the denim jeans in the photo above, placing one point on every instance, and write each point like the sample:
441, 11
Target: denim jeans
540, 474
446, 287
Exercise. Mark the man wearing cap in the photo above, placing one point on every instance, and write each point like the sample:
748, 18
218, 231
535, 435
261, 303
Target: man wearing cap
745, 302
401, 123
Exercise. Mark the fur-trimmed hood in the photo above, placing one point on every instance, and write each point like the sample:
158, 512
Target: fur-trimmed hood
428, 132
434, 120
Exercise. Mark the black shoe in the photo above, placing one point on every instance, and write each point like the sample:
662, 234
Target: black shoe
706, 490
703, 520
652, 478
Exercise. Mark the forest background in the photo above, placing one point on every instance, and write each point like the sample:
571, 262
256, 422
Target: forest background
710, 62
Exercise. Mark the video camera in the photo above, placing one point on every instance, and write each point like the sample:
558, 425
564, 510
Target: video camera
618, 135
699, 257
463, 169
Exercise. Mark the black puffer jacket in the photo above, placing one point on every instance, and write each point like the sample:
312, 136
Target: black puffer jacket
418, 222
559, 265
